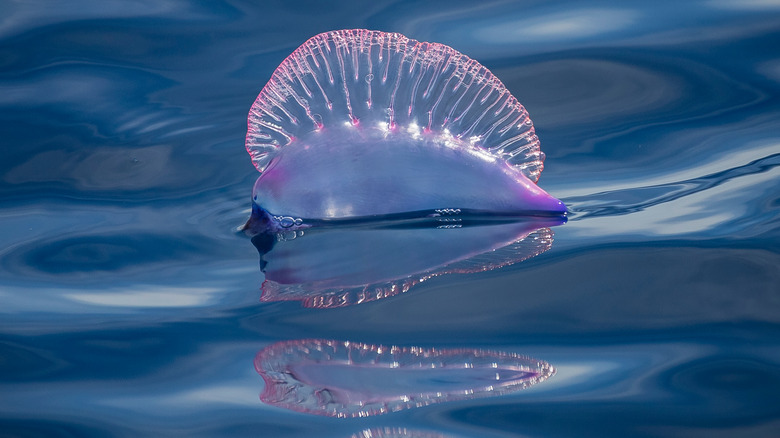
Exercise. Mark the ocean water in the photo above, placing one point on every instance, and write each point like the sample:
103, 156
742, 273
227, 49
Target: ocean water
130, 305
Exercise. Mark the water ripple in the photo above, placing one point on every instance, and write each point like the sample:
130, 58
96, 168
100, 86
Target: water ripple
614, 203
131, 305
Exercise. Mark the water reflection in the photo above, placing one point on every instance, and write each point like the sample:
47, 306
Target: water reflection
345, 265
396, 432
345, 379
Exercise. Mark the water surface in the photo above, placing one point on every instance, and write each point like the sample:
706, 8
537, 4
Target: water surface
131, 306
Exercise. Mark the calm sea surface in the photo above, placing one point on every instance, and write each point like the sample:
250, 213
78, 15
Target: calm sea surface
130, 305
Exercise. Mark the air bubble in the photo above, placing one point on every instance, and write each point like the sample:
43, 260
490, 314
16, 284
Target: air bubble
286, 222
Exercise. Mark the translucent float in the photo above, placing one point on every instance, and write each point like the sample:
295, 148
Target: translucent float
364, 124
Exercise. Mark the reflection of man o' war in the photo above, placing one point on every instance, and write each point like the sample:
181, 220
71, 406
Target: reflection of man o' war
396, 432
359, 123
340, 266
345, 379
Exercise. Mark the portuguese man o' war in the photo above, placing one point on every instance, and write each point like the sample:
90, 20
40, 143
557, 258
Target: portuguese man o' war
327, 267
347, 379
364, 124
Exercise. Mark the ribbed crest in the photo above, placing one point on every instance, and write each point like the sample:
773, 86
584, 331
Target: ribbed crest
371, 78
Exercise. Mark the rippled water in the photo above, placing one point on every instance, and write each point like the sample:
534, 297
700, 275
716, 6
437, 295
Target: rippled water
131, 304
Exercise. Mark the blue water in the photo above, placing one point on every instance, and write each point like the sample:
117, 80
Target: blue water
130, 304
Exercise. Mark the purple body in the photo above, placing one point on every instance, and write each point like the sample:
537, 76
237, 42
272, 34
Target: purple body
359, 123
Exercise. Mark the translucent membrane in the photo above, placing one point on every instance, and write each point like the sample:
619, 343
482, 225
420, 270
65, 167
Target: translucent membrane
345, 379
377, 79
326, 268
